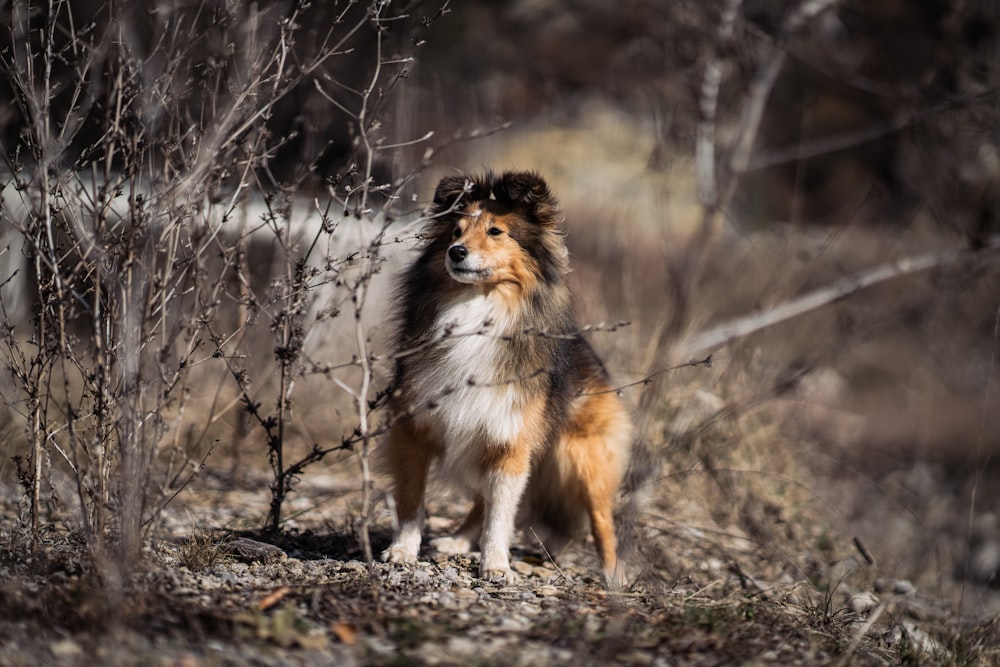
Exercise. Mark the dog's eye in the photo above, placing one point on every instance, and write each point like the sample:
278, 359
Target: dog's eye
494, 231
457, 232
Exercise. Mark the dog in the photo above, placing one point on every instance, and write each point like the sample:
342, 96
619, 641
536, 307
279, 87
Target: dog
494, 383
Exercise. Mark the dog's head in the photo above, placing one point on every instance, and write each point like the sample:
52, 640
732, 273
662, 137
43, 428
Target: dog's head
499, 229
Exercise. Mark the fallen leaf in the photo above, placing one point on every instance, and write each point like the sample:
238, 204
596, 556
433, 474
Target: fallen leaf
345, 632
273, 598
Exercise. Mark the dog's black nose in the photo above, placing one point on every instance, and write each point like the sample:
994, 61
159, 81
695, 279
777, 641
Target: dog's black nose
458, 253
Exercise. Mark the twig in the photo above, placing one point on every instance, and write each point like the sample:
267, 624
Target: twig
859, 545
549, 556
748, 324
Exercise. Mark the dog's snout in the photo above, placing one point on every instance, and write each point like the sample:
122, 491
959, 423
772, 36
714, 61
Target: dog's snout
457, 253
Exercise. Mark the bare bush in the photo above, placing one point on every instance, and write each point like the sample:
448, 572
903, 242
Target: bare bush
138, 187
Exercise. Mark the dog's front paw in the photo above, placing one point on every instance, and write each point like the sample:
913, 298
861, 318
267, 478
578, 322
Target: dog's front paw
399, 553
456, 544
499, 575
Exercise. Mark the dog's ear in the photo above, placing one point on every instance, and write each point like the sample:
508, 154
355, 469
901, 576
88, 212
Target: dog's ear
528, 192
453, 192
450, 190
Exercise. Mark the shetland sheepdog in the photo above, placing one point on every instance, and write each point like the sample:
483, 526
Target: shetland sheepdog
495, 385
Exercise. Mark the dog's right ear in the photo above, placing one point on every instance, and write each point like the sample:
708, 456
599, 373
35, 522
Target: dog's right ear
450, 190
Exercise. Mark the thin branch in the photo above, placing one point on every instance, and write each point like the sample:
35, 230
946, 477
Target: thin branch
843, 288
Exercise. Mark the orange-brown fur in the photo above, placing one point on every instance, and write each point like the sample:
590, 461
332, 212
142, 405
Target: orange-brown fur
494, 382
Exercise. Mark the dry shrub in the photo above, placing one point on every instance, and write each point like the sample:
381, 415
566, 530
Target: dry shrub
181, 278
868, 418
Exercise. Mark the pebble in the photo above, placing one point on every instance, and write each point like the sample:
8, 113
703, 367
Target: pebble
546, 590
466, 594
65, 648
862, 603
636, 658
462, 646
352, 566
512, 623
523, 568
380, 646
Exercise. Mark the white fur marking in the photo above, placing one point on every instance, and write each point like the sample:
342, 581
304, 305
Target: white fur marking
473, 402
502, 495
454, 544
406, 543
471, 270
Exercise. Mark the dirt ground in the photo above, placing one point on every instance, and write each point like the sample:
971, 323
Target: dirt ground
213, 591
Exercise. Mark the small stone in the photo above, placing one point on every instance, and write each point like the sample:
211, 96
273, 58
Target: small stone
354, 566
466, 594
863, 602
522, 568
512, 623
546, 590
462, 646
713, 565
252, 551
66, 648
637, 658
382, 647
903, 587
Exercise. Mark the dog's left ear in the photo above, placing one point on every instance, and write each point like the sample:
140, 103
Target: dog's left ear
527, 191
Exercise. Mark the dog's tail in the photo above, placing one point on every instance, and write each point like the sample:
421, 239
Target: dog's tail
636, 491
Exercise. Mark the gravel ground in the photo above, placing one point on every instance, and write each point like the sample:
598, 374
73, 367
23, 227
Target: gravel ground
219, 598
740, 580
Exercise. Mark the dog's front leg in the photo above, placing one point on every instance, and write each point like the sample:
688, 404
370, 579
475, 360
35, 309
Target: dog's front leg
408, 455
501, 494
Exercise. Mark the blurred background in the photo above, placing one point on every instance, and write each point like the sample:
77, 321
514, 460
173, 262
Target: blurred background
828, 145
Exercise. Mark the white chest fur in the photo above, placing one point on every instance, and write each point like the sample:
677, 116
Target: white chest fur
474, 403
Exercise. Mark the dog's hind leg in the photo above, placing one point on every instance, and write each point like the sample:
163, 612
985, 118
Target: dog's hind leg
600, 509
596, 450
